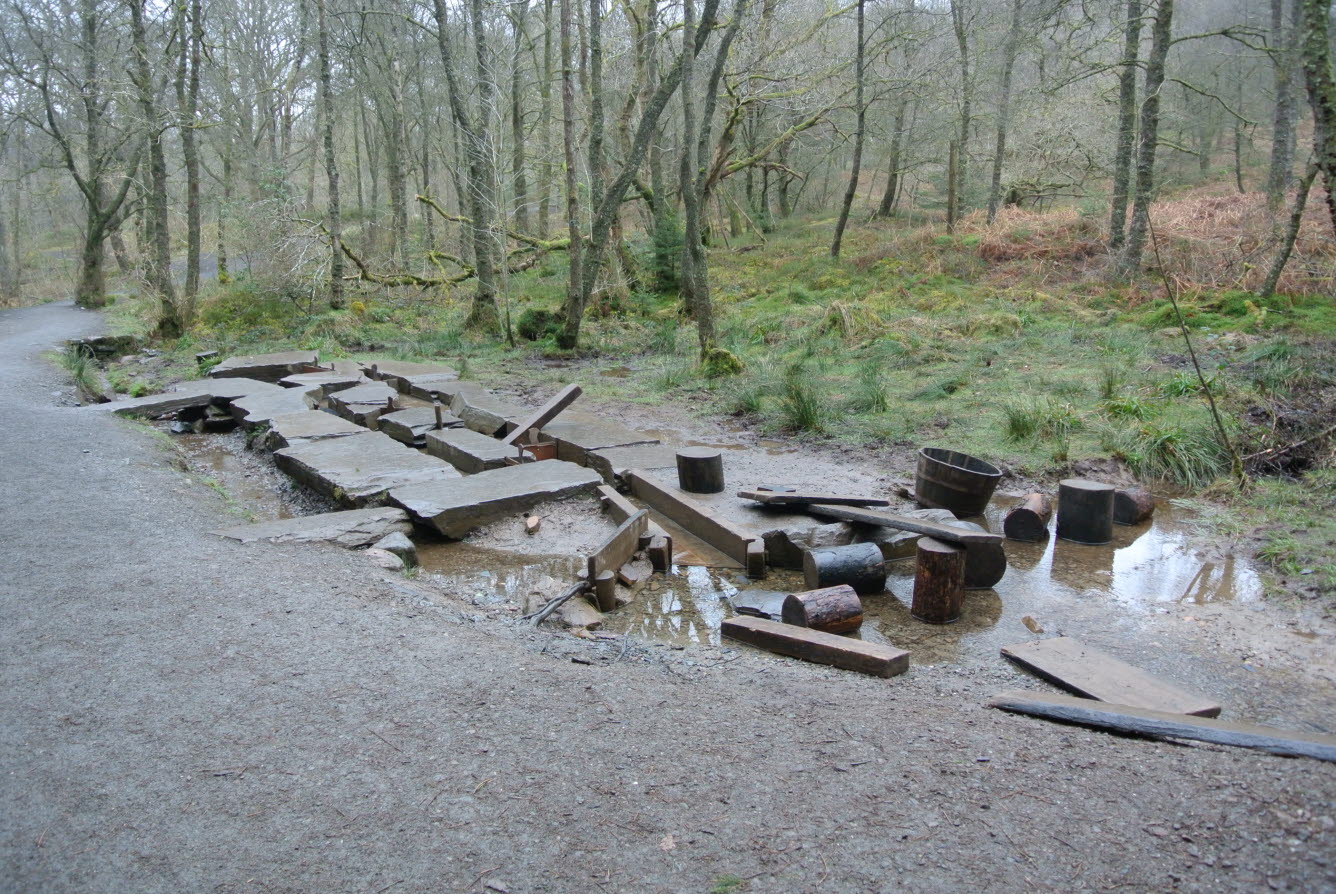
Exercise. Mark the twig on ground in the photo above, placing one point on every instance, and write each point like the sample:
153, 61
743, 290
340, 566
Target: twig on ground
573, 590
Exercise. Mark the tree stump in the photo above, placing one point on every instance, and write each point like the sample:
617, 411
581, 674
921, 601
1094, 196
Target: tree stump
834, 609
700, 470
1132, 506
938, 575
1085, 511
1028, 520
605, 591
860, 565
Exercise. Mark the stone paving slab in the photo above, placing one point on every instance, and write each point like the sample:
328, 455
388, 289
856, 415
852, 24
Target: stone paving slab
404, 380
362, 404
265, 367
440, 387
359, 469
196, 393
614, 462
310, 425
576, 437
486, 413
258, 409
467, 450
455, 507
350, 528
323, 384
411, 426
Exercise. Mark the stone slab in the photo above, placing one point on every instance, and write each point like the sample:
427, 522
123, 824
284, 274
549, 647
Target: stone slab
425, 380
360, 469
442, 388
455, 507
485, 412
467, 450
310, 425
396, 372
258, 409
362, 404
350, 528
265, 367
196, 393
576, 437
614, 462
323, 384
411, 426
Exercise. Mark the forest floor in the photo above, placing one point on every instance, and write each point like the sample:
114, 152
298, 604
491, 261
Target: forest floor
183, 712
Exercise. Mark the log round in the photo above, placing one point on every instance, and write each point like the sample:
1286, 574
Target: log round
1132, 506
832, 609
605, 591
1085, 511
938, 575
700, 470
985, 563
1028, 520
860, 565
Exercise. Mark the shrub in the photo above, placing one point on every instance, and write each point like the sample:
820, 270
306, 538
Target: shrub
538, 323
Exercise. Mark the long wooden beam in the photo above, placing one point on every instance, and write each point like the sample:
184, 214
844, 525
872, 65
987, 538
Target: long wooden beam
904, 523
545, 414
816, 646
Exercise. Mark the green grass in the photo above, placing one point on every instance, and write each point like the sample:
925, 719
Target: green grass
82, 369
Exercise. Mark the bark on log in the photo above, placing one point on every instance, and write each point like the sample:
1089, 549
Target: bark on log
833, 609
605, 591
1085, 511
860, 565
938, 575
1029, 519
1132, 506
700, 470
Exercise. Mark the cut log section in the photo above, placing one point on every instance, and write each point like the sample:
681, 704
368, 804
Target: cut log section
939, 574
776, 497
1085, 511
1163, 725
817, 647
1073, 665
700, 470
1132, 506
1029, 519
605, 591
860, 565
833, 609
660, 552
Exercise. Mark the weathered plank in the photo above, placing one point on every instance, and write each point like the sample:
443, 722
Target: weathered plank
808, 498
615, 504
545, 414
938, 530
1094, 674
817, 647
692, 516
620, 546
1161, 724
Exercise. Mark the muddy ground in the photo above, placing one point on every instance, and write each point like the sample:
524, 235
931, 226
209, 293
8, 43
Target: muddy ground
182, 712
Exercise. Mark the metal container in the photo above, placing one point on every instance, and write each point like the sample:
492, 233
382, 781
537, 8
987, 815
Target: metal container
958, 482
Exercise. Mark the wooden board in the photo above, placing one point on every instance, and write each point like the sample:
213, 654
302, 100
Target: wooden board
692, 516
1073, 665
1126, 719
807, 498
615, 504
904, 523
545, 414
620, 546
817, 647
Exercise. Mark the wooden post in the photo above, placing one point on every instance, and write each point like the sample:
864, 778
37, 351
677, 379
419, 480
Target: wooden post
440, 421
605, 591
661, 552
700, 470
833, 609
860, 565
1132, 506
756, 560
375, 371
1085, 511
1029, 519
938, 575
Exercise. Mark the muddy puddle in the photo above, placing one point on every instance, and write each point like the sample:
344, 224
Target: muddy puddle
221, 461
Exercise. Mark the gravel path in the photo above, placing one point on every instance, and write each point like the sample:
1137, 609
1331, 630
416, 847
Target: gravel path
182, 713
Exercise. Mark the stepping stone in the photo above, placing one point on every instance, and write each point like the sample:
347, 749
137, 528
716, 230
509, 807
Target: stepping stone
396, 373
576, 437
485, 413
614, 462
411, 426
363, 404
440, 387
467, 450
323, 384
310, 425
359, 469
455, 507
350, 528
258, 409
265, 367
405, 381
197, 393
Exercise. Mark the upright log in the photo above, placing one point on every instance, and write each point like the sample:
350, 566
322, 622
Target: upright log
1028, 520
700, 470
833, 609
605, 591
860, 565
938, 575
1132, 506
1085, 511
660, 552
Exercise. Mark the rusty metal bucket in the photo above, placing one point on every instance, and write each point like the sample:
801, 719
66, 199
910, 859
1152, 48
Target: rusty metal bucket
955, 481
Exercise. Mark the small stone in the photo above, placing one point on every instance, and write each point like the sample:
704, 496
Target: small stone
385, 559
398, 544
1032, 625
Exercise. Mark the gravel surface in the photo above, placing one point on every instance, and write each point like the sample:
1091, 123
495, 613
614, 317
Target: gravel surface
184, 713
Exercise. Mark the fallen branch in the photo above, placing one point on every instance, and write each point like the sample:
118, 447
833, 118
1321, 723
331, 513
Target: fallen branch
570, 592
1269, 452
560, 244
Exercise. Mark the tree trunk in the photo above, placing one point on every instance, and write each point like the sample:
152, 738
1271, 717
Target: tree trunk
1291, 234
333, 215
570, 334
545, 111
1004, 108
859, 130
91, 290
521, 186
961, 28
191, 36
1127, 125
1161, 34
1321, 92
1282, 40
888, 196
224, 209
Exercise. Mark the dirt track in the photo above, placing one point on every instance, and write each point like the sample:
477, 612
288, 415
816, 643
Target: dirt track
182, 713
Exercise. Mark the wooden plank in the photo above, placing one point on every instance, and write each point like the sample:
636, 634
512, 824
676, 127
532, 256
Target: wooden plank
807, 498
817, 647
615, 504
904, 523
1089, 672
546, 413
620, 546
1160, 724
692, 516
